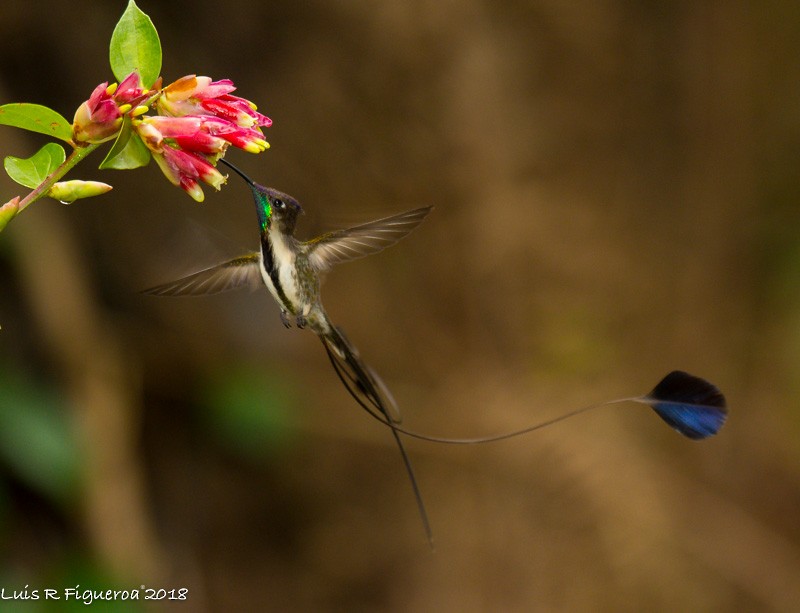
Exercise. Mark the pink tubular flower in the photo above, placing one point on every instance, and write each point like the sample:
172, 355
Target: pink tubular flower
186, 169
185, 147
205, 134
129, 89
193, 95
99, 118
166, 138
249, 139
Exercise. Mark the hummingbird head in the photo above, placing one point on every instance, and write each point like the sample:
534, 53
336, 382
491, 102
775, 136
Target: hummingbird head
280, 209
272, 206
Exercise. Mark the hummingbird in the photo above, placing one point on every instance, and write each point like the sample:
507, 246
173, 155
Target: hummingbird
291, 269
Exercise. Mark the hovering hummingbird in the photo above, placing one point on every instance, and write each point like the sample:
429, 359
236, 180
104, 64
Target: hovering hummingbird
291, 270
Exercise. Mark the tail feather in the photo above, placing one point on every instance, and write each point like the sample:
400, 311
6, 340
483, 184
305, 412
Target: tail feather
366, 381
367, 388
691, 405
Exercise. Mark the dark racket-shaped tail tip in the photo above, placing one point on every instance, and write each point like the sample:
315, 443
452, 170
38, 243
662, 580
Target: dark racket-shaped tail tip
691, 405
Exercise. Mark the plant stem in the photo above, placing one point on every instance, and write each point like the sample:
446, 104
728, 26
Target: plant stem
41, 190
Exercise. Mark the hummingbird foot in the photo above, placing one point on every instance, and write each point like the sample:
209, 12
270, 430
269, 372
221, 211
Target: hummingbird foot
301, 321
285, 319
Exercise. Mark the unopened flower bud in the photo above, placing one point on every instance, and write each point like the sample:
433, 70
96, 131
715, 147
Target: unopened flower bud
100, 118
69, 191
96, 120
8, 211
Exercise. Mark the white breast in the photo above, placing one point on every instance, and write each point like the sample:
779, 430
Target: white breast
285, 257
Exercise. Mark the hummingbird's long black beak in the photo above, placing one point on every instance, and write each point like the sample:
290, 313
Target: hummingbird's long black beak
250, 182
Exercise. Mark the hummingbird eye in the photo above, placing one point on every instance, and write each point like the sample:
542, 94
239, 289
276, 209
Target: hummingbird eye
279, 203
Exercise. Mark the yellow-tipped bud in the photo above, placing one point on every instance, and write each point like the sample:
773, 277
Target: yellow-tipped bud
195, 191
140, 110
112, 88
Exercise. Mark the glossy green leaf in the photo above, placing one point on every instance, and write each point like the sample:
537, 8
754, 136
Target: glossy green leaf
31, 171
36, 118
135, 46
8, 211
128, 151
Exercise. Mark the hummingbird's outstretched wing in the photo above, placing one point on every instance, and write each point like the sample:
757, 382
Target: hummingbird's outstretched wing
240, 271
343, 245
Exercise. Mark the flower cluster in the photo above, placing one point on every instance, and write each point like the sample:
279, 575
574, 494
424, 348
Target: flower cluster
100, 118
195, 120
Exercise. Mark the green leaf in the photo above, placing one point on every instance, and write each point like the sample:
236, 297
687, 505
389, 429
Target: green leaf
8, 211
36, 118
128, 151
32, 171
135, 46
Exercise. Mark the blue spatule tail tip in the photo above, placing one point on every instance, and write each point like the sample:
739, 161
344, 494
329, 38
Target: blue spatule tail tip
691, 405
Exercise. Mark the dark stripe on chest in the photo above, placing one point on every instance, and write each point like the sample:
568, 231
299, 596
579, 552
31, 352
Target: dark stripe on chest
274, 272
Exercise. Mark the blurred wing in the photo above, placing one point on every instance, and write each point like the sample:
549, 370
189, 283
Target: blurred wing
241, 271
343, 245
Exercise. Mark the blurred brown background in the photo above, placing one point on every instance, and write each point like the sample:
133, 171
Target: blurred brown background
616, 196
